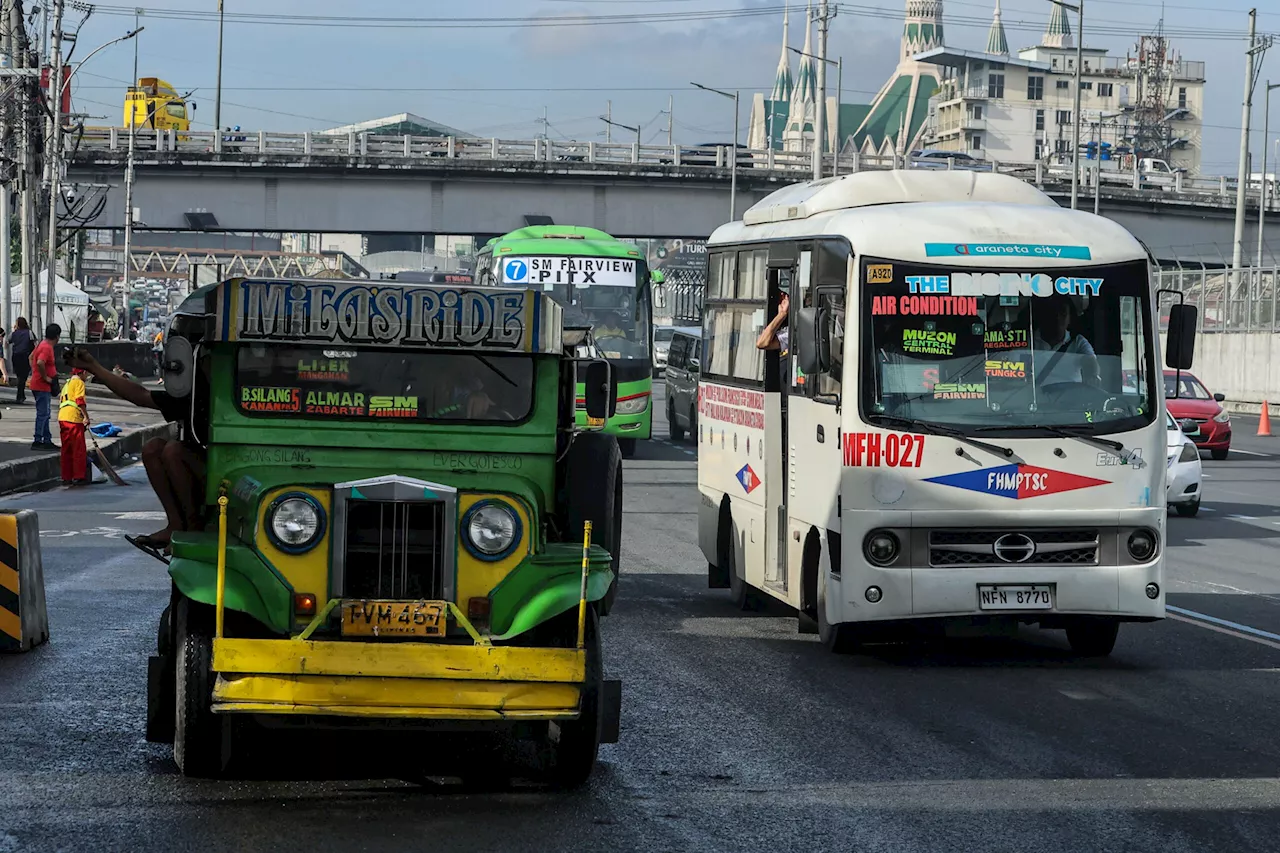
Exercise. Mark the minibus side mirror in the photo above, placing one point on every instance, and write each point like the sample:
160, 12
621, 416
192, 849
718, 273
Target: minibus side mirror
807, 340
1180, 339
600, 391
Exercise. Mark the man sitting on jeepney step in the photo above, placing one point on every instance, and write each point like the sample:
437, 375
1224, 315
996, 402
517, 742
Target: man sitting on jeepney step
176, 469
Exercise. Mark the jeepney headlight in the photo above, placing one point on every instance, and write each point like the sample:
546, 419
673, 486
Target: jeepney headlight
632, 405
491, 530
295, 522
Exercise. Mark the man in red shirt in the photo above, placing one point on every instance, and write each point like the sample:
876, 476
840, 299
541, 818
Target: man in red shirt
44, 372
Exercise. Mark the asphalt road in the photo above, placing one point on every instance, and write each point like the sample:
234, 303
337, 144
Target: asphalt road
738, 733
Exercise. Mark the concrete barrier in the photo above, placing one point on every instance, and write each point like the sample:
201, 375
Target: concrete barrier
1242, 366
24, 621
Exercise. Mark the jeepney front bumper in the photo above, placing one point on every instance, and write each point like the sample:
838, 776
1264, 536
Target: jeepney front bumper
415, 680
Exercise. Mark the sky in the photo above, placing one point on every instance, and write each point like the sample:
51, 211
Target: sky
490, 67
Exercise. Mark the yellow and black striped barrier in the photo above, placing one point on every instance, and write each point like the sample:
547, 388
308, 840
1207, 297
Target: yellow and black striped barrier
24, 621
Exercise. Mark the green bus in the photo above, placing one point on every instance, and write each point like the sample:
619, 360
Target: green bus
599, 279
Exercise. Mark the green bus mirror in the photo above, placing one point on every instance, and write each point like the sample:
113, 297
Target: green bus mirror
657, 277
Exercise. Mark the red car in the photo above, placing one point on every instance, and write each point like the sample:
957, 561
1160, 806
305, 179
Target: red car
1189, 401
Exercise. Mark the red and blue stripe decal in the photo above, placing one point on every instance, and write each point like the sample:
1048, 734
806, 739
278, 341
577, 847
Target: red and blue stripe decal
1017, 482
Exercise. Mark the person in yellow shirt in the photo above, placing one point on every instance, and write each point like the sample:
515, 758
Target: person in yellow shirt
73, 418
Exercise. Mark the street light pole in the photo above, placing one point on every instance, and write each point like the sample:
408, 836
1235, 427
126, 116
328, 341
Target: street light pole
1266, 182
217, 103
1078, 8
733, 158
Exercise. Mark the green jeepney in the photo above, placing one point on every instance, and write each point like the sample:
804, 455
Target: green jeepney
404, 523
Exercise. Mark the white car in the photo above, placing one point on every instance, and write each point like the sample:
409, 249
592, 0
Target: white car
661, 346
1183, 460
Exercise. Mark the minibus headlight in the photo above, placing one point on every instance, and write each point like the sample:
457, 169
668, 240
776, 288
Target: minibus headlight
1142, 545
633, 405
295, 522
881, 547
491, 530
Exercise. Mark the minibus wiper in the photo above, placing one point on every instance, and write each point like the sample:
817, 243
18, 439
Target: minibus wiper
1065, 432
950, 432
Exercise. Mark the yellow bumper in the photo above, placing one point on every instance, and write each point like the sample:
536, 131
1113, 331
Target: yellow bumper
403, 680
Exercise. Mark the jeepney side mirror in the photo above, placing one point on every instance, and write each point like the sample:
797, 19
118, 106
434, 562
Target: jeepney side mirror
600, 391
807, 341
178, 366
1180, 339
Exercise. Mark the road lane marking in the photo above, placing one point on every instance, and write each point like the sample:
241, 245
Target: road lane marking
1225, 626
1249, 452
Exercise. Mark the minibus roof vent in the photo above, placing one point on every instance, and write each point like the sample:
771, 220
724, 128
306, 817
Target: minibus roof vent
897, 186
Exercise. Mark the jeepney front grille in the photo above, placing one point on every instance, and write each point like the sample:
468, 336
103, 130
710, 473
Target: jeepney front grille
1054, 547
395, 550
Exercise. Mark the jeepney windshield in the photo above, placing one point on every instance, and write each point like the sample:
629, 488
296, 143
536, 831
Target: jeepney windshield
991, 350
327, 382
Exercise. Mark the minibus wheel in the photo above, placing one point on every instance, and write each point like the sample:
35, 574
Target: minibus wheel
576, 743
202, 739
839, 639
1093, 637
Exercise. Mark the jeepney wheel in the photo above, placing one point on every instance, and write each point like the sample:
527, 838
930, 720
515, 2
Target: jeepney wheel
674, 431
593, 479
576, 743
628, 447
202, 739
1093, 637
839, 639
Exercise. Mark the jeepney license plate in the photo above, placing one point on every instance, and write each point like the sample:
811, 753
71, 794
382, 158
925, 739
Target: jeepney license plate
1015, 597
394, 618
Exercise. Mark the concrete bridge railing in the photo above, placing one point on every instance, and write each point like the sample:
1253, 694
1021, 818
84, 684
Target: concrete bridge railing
316, 149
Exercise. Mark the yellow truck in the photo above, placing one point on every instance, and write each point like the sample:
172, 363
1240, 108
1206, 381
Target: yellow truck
154, 105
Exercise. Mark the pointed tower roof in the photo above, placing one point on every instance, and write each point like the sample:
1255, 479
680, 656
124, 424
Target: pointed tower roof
997, 44
804, 97
782, 83
1058, 34
899, 111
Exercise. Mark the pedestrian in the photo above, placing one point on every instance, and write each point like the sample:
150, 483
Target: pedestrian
4, 370
73, 420
44, 379
22, 343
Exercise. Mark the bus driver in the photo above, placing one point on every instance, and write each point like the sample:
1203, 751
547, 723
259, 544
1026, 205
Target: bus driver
1058, 355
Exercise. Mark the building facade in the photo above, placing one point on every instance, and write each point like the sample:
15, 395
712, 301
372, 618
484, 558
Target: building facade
1020, 108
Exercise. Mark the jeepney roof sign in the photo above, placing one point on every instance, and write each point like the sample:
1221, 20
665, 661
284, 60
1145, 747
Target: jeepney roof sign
387, 314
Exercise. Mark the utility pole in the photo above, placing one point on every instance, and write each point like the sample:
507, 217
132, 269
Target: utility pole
10, 85
27, 212
608, 122
824, 15
217, 102
1257, 47
55, 155
121, 325
671, 117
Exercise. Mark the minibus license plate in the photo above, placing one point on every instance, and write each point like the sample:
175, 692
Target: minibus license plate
1015, 598
394, 618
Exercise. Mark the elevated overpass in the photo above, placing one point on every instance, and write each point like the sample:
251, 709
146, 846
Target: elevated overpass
363, 183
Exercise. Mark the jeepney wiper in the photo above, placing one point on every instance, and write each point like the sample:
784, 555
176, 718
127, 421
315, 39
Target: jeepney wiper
950, 432
1065, 432
504, 376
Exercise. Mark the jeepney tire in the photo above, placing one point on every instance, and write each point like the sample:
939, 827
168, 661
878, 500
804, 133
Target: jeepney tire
1093, 637
838, 639
593, 477
628, 447
674, 431
202, 739
576, 745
